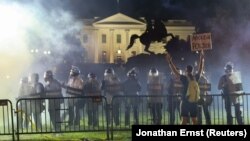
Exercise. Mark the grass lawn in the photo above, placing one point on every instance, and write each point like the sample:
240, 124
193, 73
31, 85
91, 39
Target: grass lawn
89, 136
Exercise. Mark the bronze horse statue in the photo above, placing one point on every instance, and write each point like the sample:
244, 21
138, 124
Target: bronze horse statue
154, 32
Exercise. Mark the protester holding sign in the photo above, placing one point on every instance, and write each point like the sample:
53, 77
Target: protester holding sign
188, 106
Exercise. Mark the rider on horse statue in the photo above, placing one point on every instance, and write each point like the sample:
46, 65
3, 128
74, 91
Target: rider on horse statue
155, 31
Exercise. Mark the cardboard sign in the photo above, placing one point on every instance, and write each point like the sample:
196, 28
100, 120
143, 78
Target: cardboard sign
201, 42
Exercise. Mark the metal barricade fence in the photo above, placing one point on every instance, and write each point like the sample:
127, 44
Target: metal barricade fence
144, 110
129, 110
87, 114
6, 118
61, 115
229, 110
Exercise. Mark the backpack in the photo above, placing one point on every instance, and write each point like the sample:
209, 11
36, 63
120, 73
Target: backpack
193, 91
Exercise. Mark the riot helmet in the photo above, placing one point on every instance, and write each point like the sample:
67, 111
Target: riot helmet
91, 76
109, 71
153, 72
75, 71
229, 67
48, 75
132, 74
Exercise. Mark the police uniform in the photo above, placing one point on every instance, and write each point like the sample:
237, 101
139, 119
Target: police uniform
53, 89
23, 107
37, 106
131, 87
174, 91
75, 89
230, 95
155, 88
92, 89
205, 101
111, 86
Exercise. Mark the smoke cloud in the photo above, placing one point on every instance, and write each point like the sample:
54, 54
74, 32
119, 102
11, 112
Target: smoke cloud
36, 38
228, 21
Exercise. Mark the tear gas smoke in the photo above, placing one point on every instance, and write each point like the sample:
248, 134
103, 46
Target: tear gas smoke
31, 34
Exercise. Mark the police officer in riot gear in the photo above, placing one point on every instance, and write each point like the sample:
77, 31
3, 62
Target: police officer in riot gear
53, 90
23, 112
231, 95
155, 89
92, 88
205, 100
175, 88
131, 87
36, 91
111, 86
75, 89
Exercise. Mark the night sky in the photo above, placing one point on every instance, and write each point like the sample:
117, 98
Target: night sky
227, 20
200, 12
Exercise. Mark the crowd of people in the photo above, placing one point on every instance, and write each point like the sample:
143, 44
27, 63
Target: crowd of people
131, 87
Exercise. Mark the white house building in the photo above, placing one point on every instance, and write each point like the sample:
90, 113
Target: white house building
106, 39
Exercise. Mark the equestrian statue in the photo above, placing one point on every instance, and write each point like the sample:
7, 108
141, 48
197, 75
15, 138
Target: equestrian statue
155, 31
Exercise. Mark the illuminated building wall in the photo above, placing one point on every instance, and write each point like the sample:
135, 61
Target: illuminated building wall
106, 39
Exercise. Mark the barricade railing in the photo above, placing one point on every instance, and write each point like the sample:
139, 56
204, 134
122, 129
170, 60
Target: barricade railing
61, 115
6, 118
93, 114
228, 110
143, 110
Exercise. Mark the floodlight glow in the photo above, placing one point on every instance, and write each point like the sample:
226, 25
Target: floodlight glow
7, 77
15, 55
13, 21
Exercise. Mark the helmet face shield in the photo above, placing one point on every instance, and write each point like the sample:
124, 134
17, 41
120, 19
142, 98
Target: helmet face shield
109, 71
153, 72
75, 71
48, 75
131, 74
229, 67
91, 76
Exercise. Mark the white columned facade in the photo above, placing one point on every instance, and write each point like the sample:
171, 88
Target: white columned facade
103, 38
